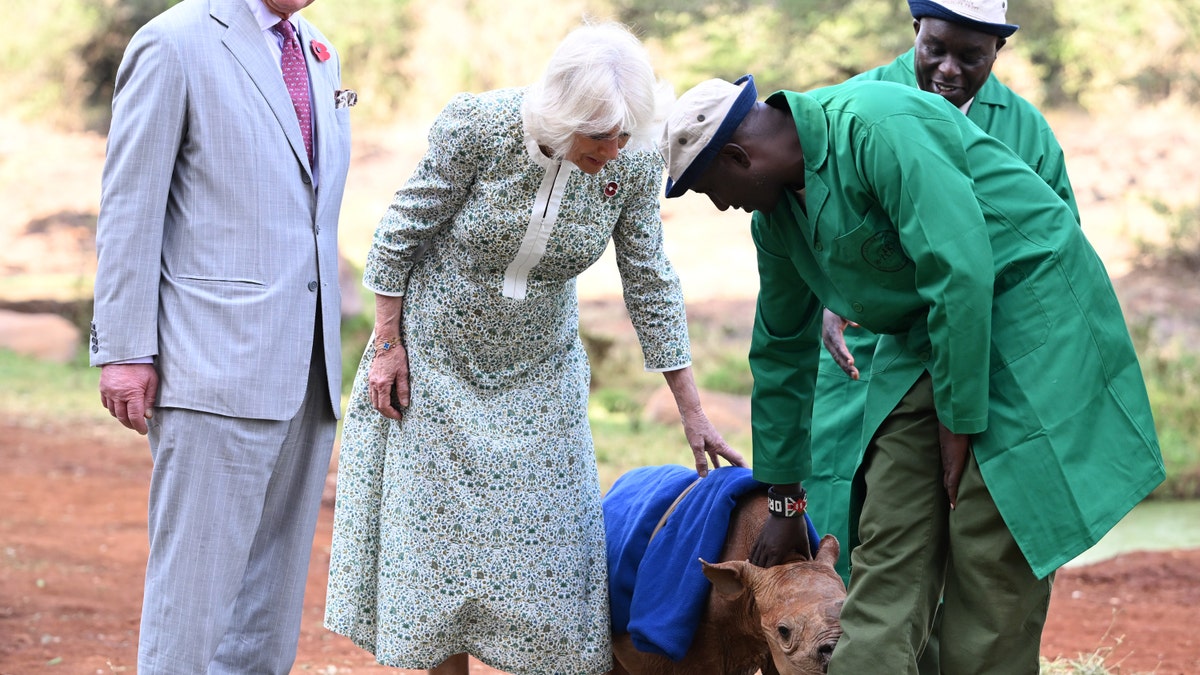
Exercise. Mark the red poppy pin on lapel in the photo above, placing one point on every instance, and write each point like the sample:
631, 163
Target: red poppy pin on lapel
320, 51
610, 189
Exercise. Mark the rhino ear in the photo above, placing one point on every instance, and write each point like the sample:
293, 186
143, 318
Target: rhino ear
830, 549
729, 578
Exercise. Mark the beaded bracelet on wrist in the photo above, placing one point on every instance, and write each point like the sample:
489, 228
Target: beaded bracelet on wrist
386, 343
787, 506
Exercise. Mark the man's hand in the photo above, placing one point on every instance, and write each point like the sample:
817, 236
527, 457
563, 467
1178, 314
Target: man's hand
780, 540
954, 459
128, 391
833, 329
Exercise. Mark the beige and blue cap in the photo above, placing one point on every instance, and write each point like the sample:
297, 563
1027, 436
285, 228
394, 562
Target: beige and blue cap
985, 16
701, 122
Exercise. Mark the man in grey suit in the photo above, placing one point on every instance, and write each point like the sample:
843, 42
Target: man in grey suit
217, 317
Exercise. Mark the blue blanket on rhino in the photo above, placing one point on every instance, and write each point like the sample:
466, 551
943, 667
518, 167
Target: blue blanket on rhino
657, 589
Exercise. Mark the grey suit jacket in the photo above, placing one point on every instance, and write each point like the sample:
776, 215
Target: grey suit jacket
215, 252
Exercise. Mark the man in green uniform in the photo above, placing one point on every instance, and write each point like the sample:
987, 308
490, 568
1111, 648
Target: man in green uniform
887, 205
955, 48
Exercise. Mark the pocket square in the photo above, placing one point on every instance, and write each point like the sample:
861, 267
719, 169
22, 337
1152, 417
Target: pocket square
345, 98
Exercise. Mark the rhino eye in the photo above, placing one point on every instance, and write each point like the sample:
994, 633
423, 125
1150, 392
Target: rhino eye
785, 633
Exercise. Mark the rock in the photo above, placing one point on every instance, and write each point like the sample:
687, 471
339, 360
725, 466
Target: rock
729, 413
48, 337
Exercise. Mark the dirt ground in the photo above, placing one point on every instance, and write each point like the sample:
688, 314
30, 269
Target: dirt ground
73, 531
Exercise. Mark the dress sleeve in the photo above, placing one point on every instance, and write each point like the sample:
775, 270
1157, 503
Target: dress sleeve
429, 201
653, 295
917, 168
784, 348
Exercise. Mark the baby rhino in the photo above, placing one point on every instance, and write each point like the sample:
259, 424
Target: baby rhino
781, 620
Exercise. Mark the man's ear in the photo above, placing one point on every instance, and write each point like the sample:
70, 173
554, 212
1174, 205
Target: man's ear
1000, 42
735, 153
916, 26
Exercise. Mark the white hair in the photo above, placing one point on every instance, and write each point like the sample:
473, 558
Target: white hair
599, 79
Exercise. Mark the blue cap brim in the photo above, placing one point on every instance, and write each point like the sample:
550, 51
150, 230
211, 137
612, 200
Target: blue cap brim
737, 112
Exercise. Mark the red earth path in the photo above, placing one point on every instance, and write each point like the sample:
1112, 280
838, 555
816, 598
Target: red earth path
73, 546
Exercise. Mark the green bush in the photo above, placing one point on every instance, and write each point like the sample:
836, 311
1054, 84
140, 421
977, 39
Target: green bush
406, 58
1173, 384
42, 392
61, 65
1181, 248
725, 372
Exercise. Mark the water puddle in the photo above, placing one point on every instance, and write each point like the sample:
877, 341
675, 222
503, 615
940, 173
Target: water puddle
1150, 526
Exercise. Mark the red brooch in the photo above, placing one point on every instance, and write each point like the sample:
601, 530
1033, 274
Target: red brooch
610, 189
320, 51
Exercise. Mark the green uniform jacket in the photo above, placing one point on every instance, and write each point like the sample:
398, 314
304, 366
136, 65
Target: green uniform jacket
1004, 115
840, 431
926, 230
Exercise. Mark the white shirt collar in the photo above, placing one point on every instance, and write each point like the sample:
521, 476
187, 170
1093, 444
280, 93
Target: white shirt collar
265, 17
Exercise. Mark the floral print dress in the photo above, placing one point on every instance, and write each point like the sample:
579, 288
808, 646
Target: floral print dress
474, 524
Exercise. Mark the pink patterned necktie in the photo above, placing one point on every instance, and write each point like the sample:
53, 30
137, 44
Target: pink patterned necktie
295, 76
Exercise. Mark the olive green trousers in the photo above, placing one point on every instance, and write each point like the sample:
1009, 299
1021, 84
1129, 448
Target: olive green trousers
914, 551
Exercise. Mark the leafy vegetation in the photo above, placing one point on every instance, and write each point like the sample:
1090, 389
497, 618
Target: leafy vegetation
1173, 384
407, 58
1180, 249
1172, 368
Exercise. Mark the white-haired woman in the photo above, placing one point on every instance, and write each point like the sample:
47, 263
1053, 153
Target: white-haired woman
468, 516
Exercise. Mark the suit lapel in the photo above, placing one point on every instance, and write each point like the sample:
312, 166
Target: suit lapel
322, 85
244, 40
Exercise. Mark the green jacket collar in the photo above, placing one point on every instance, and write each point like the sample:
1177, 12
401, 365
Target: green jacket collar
813, 130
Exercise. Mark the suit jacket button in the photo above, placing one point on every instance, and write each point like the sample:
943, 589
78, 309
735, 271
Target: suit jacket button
95, 349
312, 286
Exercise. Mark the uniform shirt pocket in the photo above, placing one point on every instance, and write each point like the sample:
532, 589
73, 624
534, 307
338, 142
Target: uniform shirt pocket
1020, 322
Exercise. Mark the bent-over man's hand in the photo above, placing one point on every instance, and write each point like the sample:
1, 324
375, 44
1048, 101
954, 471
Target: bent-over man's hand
780, 540
833, 335
954, 459
128, 390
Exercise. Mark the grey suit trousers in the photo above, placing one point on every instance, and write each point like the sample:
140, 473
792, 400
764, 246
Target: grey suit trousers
233, 510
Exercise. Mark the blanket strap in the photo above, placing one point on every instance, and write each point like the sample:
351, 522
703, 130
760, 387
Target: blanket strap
670, 509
